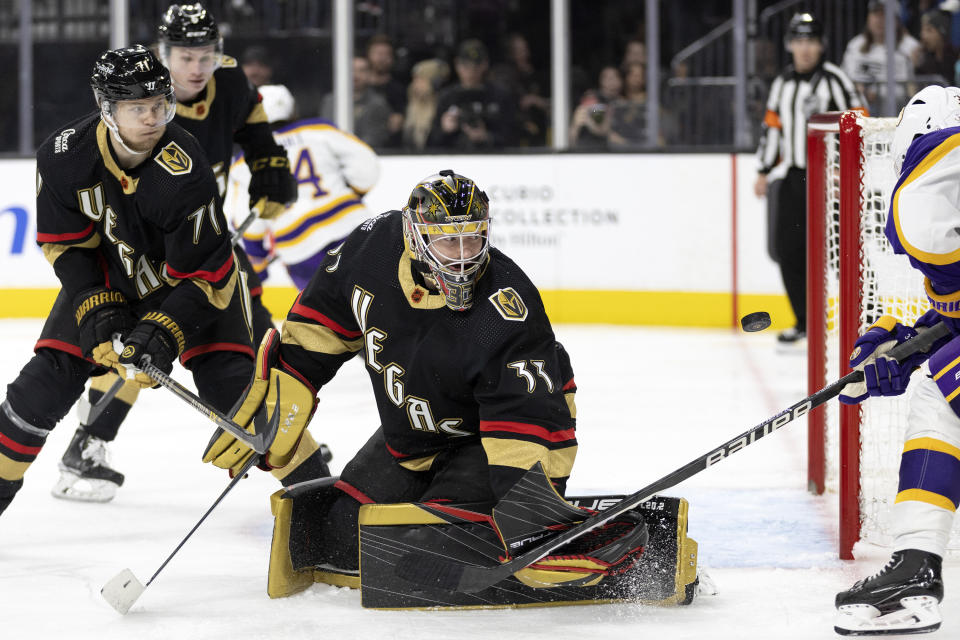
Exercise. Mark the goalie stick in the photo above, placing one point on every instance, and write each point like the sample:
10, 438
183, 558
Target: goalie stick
89, 413
433, 570
259, 441
122, 591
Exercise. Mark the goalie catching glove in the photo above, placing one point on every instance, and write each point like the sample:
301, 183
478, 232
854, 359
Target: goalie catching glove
532, 512
270, 389
272, 187
884, 376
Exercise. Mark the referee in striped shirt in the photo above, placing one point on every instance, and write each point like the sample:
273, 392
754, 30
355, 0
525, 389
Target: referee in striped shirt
810, 85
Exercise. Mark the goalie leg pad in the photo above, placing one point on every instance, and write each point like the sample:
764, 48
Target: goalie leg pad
282, 579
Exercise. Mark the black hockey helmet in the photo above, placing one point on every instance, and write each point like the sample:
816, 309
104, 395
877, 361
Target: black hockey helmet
189, 25
130, 73
804, 25
447, 230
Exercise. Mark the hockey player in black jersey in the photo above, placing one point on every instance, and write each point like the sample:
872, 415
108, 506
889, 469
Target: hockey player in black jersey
472, 388
129, 217
219, 107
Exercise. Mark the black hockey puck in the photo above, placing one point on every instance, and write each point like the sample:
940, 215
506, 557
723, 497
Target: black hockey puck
756, 321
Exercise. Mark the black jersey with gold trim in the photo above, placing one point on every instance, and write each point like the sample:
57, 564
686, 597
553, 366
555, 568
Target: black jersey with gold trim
228, 111
442, 378
143, 231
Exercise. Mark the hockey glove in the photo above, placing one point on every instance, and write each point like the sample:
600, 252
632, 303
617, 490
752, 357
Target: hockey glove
883, 376
532, 512
272, 187
100, 314
270, 388
158, 337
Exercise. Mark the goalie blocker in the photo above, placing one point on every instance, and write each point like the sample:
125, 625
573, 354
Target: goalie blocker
663, 572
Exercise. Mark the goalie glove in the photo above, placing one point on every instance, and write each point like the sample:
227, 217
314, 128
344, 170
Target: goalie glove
883, 376
271, 387
272, 187
532, 512
101, 313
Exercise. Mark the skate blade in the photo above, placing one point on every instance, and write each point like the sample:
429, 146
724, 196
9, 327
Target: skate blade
122, 591
71, 486
920, 614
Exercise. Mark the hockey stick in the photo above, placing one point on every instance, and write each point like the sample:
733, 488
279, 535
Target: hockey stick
238, 233
259, 441
441, 572
89, 413
122, 591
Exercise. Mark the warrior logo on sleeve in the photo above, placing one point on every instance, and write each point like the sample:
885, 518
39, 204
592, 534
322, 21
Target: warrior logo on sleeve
509, 304
174, 159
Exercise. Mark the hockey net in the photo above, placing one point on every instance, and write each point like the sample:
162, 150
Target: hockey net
854, 278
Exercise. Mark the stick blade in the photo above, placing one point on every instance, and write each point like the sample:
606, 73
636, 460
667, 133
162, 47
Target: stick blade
122, 591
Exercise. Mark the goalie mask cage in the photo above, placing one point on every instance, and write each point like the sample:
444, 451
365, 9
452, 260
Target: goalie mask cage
853, 278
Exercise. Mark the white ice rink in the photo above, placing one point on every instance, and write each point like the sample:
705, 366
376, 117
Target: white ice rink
650, 400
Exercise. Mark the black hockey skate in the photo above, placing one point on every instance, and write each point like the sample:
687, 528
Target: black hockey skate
903, 598
85, 474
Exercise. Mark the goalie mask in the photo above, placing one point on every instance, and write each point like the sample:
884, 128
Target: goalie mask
132, 73
190, 25
931, 109
446, 225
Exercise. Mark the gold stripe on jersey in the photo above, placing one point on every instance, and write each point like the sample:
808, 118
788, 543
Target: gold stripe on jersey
257, 115
317, 338
128, 184
419, 464
416, 296
569, 396
219, 298
557, 463
200, 109
53, 251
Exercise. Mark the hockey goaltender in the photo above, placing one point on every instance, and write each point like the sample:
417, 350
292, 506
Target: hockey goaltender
477, 437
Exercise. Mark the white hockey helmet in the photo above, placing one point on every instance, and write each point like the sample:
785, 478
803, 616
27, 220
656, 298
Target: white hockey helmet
930, 109
278, 102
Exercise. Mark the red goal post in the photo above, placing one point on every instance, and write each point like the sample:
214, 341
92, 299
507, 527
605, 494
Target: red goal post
853, 278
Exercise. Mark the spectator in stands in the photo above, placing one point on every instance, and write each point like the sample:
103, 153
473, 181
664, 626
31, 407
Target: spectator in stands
427, 77
865, 60
370, 110
635, 50
590, 124
257, 65
473, 114
628, 115
938, 55
384, 81
530, 88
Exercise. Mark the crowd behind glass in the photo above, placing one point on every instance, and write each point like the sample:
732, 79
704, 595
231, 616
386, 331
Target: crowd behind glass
465, 86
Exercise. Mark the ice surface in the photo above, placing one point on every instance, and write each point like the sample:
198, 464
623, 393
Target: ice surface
650, 400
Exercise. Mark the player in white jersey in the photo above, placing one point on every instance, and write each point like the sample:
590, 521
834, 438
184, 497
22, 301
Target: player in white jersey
333, 169
904, 596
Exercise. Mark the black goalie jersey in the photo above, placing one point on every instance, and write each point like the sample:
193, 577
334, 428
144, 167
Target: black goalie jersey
155, 233
228, 110
442, 378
